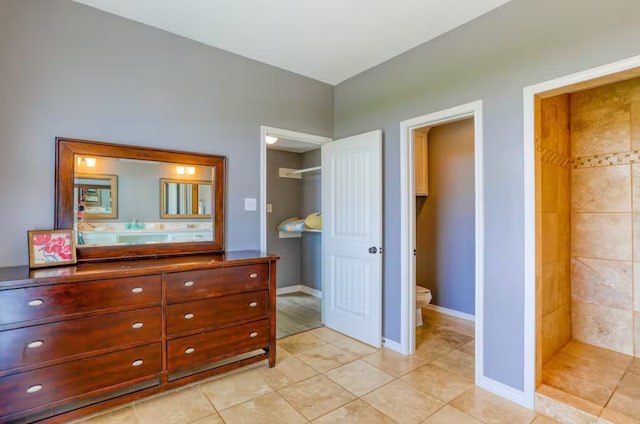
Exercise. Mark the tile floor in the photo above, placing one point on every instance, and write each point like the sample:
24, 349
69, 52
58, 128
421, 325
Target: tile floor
324, 377
588, 384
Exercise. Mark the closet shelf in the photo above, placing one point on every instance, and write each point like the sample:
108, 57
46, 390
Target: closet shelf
296, 173
310, 230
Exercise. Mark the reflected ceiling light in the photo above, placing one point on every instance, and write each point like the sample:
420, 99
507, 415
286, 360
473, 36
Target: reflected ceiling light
189, 170
180, 169
89, 162
271, 139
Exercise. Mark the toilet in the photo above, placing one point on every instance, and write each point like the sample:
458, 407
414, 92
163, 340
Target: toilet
423, 298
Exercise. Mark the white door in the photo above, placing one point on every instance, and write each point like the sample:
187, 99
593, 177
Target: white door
352, 236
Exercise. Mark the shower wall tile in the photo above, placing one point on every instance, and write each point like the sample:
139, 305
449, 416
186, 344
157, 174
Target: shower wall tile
602, 326
601, 235
603, 282
635, 186
564, 325
606, 96
549, 237
601, 189
604, 130
636, 287
636, 336
550, 289
550, 335
549, 187
635, 123
636, 236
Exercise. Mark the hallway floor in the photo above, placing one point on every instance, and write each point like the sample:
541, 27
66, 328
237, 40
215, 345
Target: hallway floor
583, 382
297, 312
322, 376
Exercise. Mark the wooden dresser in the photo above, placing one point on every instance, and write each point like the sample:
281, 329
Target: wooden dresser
78, 339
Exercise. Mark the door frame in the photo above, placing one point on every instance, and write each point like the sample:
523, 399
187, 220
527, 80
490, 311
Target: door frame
290, 135
408, 223
545, 89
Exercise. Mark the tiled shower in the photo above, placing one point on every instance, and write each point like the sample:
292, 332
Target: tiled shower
588, 229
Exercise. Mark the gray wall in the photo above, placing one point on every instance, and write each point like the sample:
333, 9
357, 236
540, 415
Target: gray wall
445, 238
311, 242
69, 70
285, 195
492, 58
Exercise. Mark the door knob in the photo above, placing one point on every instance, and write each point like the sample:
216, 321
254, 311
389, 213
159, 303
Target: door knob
373, 249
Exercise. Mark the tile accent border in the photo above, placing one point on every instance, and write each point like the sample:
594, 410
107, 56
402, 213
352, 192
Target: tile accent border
554, 158
606, 159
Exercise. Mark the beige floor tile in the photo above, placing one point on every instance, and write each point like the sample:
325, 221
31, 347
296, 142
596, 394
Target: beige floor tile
175, 407
316, 396
394, 363
231, 390
118, 416
359, 377
288, 371
565, 407
610, 416
450, 415
328, 334
469, 348
403, 402
576, 386
268, 409
355, 347
211, 419
462, 326
458, 362
300, 342
492, 409
438, 383
356, 412
634, 366
325, 357
543, 419
591, 352
626, 398
432, 319
435, 343
587, 369
281, 352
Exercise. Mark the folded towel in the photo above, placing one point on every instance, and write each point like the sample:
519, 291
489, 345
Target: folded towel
314, 221
292, 225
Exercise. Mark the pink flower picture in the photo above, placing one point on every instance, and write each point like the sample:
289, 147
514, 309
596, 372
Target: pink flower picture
55, 247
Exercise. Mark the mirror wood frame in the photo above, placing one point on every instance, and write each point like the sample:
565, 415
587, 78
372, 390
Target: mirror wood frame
67, 148
163, 199
114, 195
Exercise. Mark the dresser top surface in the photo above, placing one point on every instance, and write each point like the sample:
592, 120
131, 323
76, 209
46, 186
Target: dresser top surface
12, 275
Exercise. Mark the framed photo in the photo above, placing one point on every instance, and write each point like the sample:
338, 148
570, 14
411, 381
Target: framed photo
51, 248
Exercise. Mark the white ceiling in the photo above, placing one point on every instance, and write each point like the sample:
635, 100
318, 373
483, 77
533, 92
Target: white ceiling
327, 40
293, 146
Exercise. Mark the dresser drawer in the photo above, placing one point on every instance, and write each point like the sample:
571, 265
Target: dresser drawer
46, 342
43, 386
216, 311
216, 345
34, 303
217, 281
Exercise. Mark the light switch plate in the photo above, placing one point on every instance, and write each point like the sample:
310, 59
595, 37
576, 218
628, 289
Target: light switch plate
269, 207
250, 204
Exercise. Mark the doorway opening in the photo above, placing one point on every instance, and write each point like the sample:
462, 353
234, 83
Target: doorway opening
291, 225
582, 319
471, 113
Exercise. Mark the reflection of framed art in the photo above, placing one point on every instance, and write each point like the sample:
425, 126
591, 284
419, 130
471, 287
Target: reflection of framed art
51, 247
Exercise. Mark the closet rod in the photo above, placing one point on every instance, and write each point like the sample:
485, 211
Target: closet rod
302, 171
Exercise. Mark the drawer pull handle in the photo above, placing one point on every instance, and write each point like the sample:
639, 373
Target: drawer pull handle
137, 325
188, 283
137, 290
35, 302
137, 363
188, 316
253, 334
253, 304
35, 344
35, 388
189, 350
253, 275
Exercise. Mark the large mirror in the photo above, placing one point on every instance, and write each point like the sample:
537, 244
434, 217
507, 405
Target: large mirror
109, 195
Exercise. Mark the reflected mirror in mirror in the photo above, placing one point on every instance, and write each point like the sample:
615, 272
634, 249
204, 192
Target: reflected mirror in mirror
185, 198
116, 202
96, 196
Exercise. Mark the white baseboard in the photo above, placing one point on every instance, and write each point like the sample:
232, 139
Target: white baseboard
503, 390
392, 345
299, 288
451, 312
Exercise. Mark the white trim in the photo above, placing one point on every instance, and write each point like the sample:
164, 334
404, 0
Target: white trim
529, 94
451, 312
501, 389
299, 288
390, 344
408, 217
290, 135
